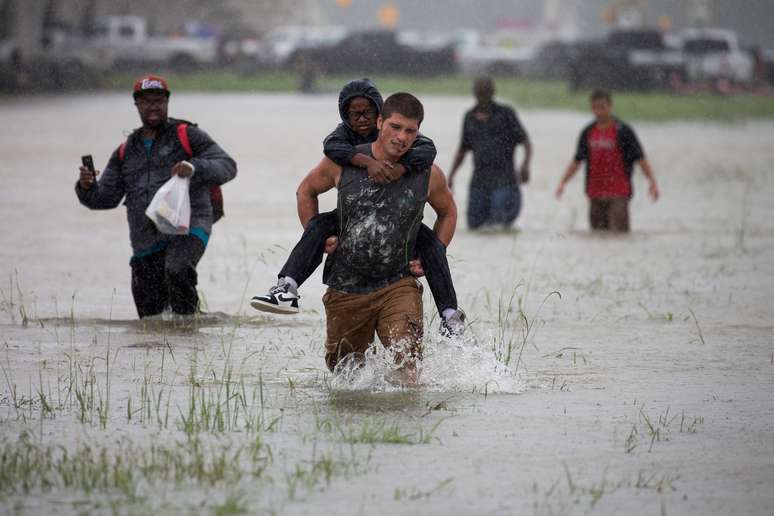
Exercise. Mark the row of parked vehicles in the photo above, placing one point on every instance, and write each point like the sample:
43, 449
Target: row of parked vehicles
648, 59
624, 59
65, 58
641, 58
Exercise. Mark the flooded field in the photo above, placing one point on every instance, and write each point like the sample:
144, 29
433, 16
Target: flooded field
618, 375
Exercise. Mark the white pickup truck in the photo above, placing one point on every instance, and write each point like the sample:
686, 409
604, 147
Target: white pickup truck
499, 53
127, 40
714, 54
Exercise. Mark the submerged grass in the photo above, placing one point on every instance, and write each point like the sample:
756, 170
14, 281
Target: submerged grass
659, 428
217, 438
27, 466
374, 430
514, 328
571, 489
322, 468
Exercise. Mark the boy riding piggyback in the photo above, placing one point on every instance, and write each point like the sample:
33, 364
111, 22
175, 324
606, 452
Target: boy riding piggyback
360, 104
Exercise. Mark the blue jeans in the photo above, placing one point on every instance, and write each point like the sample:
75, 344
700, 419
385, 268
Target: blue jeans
499, 205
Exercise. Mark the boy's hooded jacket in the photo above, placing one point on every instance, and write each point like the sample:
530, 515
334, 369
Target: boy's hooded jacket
339, 146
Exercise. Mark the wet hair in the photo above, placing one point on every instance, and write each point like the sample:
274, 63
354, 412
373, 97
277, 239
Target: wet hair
485, 82
600, 94
404, 104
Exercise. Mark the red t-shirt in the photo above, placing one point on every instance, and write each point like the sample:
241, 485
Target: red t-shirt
607, 173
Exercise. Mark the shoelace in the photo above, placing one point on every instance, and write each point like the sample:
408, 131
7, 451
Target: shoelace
276, 289
281, 289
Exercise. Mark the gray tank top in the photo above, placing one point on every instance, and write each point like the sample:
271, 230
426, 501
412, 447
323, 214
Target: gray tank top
378, 225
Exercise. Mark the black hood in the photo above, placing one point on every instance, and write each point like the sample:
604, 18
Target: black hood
358, 88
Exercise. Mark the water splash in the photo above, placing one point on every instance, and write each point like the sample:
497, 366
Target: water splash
466, 365
449, 365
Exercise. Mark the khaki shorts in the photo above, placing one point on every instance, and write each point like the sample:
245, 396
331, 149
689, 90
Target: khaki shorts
609, 214
393, 312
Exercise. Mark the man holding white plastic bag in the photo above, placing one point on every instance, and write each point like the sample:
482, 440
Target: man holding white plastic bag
163, 265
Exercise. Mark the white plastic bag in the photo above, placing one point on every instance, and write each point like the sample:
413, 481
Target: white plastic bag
170, 208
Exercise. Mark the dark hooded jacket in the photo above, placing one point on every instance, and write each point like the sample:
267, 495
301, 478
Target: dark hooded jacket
339, 146
137, 177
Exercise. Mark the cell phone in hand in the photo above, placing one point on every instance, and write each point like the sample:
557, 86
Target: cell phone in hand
88, 162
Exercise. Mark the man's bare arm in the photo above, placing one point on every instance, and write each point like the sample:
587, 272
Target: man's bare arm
648, 171
525, 171
442, 201
458, 159
320, 179
572, 168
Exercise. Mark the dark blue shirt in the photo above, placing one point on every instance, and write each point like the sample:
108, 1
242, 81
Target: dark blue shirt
493, 141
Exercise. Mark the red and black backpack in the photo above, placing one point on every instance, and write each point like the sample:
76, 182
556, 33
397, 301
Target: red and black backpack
216, 194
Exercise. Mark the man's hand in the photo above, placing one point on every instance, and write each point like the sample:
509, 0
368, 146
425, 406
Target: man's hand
560, 190
525, 174
331, 243
182, 169
653, 191
416, 268
87, 178
382, 171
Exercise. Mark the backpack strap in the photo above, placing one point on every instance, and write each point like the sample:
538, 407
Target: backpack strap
216, 195
182, 135
122, 152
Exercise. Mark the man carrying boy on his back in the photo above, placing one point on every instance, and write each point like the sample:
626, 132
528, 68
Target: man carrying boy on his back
371, 291
360, 103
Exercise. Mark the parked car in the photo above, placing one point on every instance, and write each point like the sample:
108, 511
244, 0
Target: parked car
279, 44
129, 43
62, 62
553, 60
767, 65
375, 52
627, 59
713, 54
499, 53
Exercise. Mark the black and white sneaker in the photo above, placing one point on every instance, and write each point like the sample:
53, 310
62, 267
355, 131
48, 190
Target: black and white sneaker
281, 299
454, 325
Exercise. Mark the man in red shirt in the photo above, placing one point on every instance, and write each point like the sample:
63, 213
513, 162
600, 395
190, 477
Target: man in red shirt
610, 149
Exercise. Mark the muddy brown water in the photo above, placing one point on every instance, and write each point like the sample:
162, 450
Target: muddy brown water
644, 389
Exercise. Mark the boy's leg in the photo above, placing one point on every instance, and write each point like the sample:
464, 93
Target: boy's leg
619, 214
478, 207
307, 255
183, 254
598, 214
506, 204
433, 255
149, 287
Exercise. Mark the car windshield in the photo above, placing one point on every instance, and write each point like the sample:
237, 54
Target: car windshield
705, 46
101, 29
637, 40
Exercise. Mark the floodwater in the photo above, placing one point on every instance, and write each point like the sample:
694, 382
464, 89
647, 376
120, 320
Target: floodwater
599, 375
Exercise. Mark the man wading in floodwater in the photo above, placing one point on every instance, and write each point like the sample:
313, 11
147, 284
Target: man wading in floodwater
610, 149
492, 131
371, 289
163, 266
360, 103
